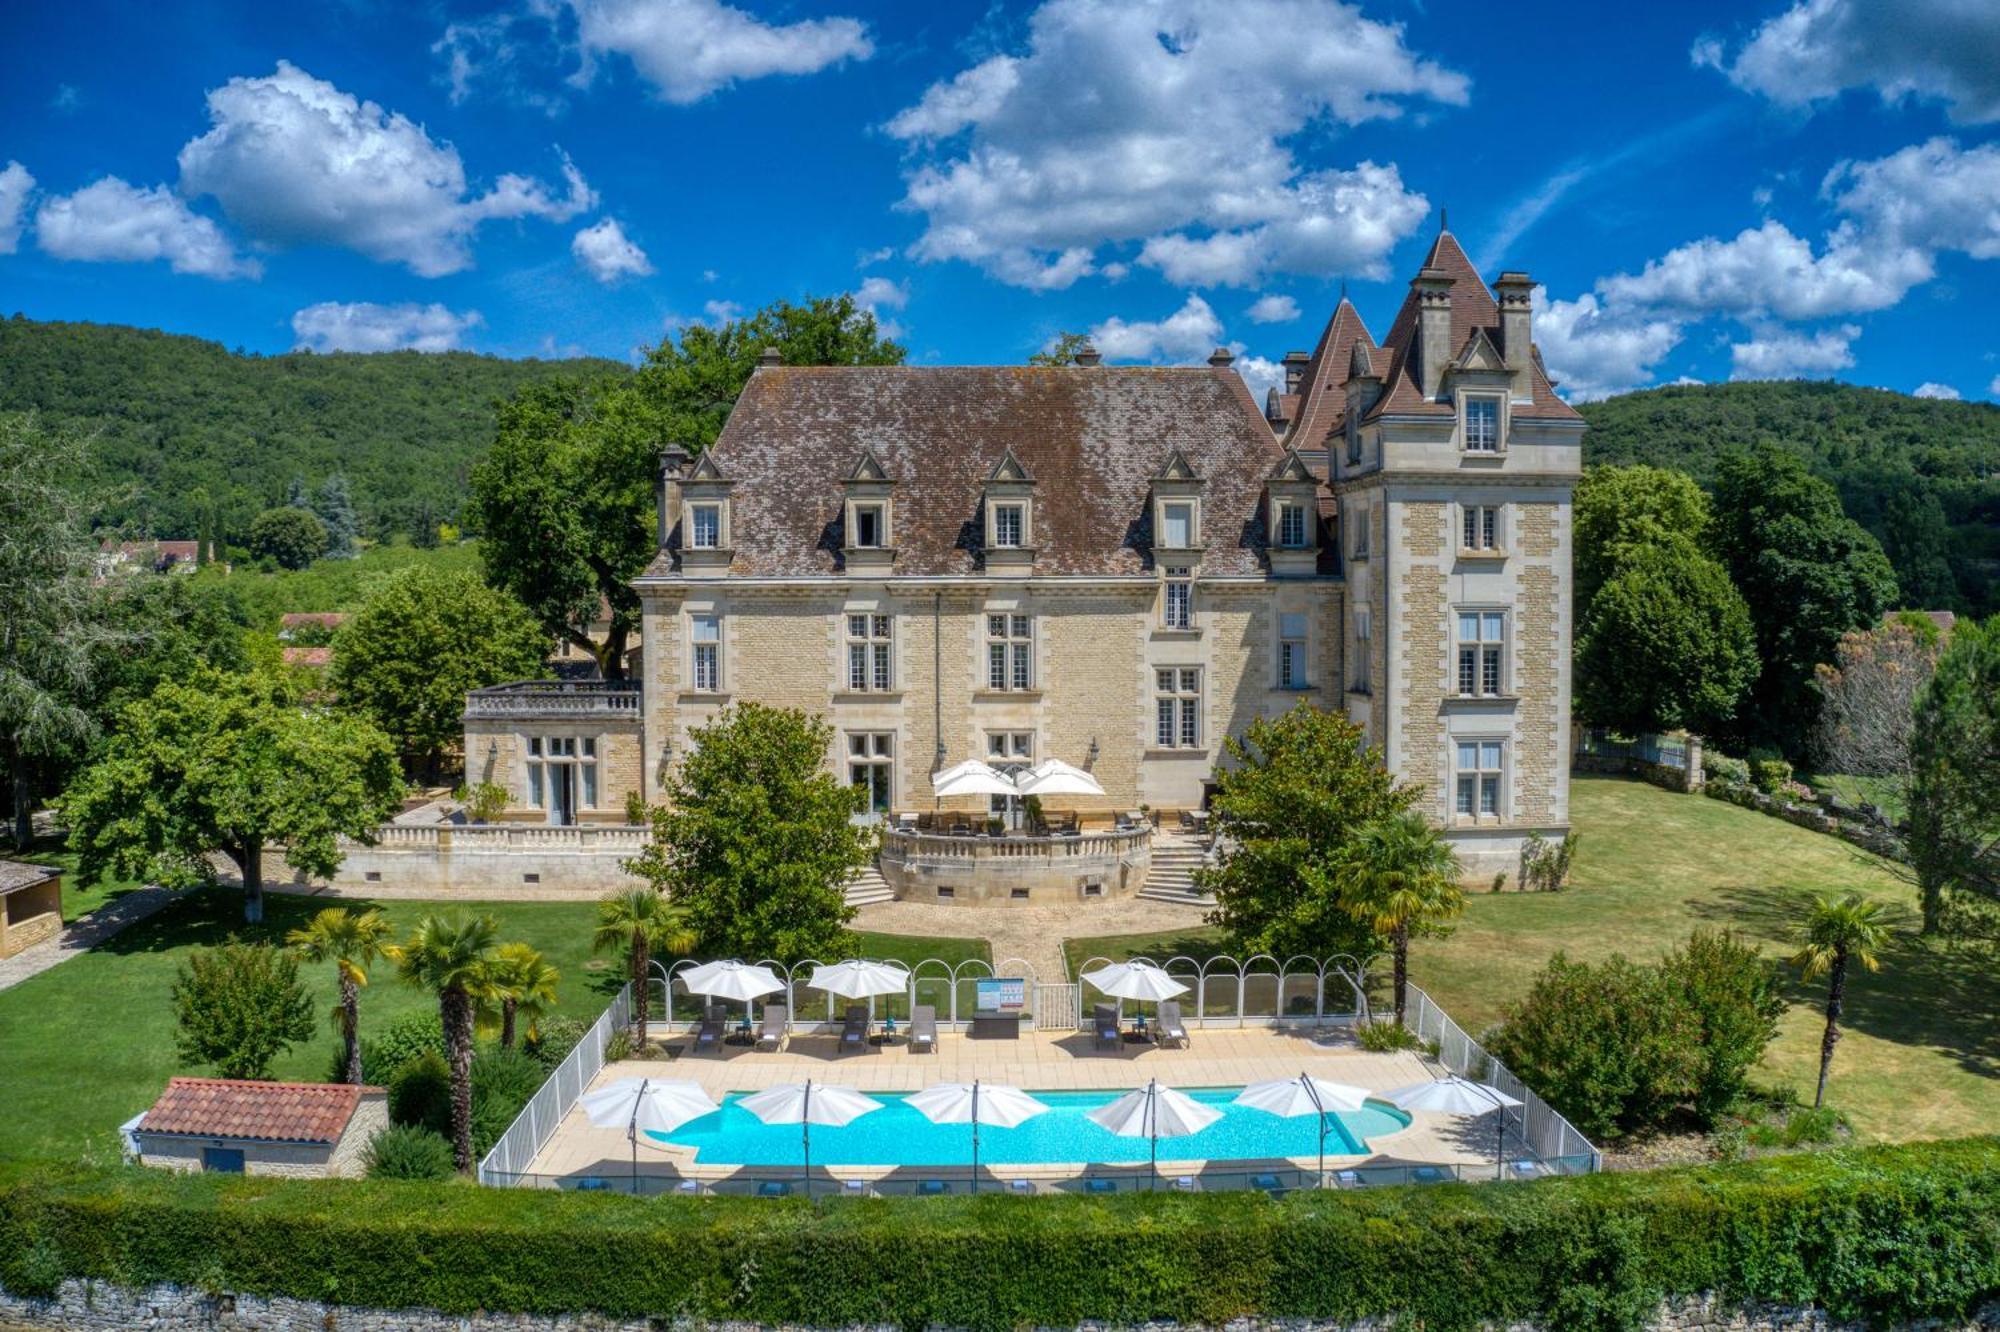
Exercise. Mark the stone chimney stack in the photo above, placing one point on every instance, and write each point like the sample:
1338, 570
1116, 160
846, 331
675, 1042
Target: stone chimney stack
770, 358
1295, 369
674, 459
1088, 355
1222, 358
1433, 288
1517, 341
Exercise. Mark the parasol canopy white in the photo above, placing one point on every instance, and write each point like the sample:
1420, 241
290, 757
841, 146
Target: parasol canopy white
1054, 777
976, 1104
860, 979
972, 778
645, 1105
1137, 979
1451, 1095
1289, 1098
731, 980
803, 1104
1155, 1112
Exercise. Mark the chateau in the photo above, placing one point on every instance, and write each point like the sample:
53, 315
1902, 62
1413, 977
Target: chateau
1117, 567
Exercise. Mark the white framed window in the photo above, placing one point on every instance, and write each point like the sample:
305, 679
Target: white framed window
1364, 650
1482, 425
1479, 527
1010, 652
705, 653
1177, 526
1010, 747
870, 653
1291, 525
1292, 656
1482, 653
562, 769
1177, 707
586, 768
536, 800
870, 527
1177, 601
871, 768
1479, 778
704, 526
1010, 522
1358, 544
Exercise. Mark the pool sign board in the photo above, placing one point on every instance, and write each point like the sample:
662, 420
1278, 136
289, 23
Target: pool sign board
1002, 994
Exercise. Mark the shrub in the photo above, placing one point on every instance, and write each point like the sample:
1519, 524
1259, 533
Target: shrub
635, 809
1719, 767
552, 1040
1769, 771
406, 1151
1733, 993
502, 1083
406, 1038
420, 1093
484, 802
618, 1045
240, 1006
1386, 1037
1545, 865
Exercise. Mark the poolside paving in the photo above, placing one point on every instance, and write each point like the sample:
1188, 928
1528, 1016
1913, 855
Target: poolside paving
1217, 1057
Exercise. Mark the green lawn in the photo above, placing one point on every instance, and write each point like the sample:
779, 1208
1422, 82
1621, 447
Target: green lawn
76, 900
1880, 791
1921, 1054
88, 1044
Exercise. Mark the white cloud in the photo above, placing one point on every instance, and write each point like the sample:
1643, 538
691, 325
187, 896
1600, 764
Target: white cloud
15, 185
878, 294
1779, 353
1944, 391
1274, 309
1929, 196
1993, 389
720, 312
687, 49
113, 222
294, 160
363, 326
1901, 48
1767, 270
607, 254
1594, 352
1168, 125
1260, 375
1188, 334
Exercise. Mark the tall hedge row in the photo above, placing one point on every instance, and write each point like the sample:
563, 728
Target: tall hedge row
1885, 1234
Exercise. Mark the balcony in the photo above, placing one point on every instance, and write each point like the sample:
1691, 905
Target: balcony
1015, 868
535, 700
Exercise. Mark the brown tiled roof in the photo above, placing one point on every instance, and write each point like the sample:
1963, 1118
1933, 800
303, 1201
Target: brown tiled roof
1323, 400
1091, 437
1472, 307
322, 619
308, 656
264, 1111
18, 874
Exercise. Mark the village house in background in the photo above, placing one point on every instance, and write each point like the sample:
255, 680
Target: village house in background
1116, 567
304, 1130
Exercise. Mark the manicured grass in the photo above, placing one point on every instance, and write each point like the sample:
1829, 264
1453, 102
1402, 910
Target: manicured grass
90, 1043
1921, 1051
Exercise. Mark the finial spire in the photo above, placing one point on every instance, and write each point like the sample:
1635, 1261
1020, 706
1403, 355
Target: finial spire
1444, 220
1343, 289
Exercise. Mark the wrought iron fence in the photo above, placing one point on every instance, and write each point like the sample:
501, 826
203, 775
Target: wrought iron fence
532, 1128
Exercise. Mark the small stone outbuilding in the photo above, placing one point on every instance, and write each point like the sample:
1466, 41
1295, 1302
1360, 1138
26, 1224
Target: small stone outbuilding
30, 905
304, 1130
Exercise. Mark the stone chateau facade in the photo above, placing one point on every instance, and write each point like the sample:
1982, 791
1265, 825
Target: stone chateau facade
1117, 567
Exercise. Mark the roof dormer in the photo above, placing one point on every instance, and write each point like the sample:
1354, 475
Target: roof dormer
1291, 516
1176, 502
708, 535
868, 516
1008, 514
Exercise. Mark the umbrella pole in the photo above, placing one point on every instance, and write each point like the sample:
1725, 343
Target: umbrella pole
1305, 1080
975, 1135
806, 1134
1153, 1123
632, 1133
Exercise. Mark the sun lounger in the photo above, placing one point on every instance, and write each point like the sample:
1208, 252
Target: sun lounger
690, 1187
592, 1184
854, 1188
777, 1024
774, 1188
1348, 1179
1186, 1183
931, 1188
1428, 1175
1169, 1028
1527, 1169
1100, 1186
1270, 1184
709, 1035
854, 1031
1104, 1020
923, 1029
1020, 1186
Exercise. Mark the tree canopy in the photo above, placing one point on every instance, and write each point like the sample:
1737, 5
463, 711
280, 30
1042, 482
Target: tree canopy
238, 1007
1621, 510
1954, 745
292, 537
1667, 644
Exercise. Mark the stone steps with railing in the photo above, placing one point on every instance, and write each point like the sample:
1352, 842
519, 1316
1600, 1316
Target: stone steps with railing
1171, 875
867, 887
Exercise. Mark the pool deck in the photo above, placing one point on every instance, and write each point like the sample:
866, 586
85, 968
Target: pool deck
1068, 1061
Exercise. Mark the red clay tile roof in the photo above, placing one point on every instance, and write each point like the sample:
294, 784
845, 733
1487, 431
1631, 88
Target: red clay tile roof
1323, 401
308, 656
323, 619
264, 1111
1091, 437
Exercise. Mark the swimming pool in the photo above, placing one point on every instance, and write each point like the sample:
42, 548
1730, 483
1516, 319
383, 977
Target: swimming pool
897, 1135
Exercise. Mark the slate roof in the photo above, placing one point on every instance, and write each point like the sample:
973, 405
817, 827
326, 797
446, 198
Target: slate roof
1322, 392
1092, 438
17, 874
261, 1111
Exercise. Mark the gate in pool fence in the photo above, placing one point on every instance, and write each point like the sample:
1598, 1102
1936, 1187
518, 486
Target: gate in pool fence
531, 1129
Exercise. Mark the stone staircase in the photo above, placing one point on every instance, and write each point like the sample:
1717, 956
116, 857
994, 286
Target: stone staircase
868, 887
1171, 878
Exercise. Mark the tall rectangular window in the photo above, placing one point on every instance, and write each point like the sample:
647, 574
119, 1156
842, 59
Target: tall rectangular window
1178, 606
1177, 526
1177, 707
1010, 652
1479, 527
869, 655
1353, 443
1364, 650
705, 524
1482, 425
867, 526
871, 757
1358, 546
1292, 525
1292, 651
1008, 522
705, 639
1480, 766
1482, 643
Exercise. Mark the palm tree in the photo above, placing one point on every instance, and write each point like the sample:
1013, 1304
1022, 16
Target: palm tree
350, 941
638, 920
523, 984
1399, 876
448, 956
1834, 933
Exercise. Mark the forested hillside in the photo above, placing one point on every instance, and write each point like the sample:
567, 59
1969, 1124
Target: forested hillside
176, 416
1922, 474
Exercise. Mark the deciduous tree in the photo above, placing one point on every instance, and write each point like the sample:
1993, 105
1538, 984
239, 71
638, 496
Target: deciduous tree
238, 1007
292, 536
1667, 643
1954, 837
1620, 510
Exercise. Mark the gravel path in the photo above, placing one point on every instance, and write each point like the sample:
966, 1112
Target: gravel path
82, 935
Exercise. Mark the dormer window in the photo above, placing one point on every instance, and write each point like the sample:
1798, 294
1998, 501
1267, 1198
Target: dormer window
1177, 524
1010, 523
1482, 425
1291, 524
706, 532
869, 527
869, 518
705, 526
1008, 508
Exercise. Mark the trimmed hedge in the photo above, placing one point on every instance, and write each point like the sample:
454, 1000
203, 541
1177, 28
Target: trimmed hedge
1884, 1234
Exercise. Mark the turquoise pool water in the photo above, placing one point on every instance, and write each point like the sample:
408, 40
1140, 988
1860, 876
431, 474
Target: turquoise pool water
897, 1135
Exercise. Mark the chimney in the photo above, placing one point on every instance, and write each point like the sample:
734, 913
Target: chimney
1515, 290
1221, 358
1087, 355
770, 359
1295, 369
1433, 288
673, 466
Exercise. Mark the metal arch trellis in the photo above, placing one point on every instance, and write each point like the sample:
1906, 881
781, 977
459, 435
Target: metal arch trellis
1221, 984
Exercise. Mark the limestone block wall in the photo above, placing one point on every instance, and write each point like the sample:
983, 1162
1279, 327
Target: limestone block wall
30, 915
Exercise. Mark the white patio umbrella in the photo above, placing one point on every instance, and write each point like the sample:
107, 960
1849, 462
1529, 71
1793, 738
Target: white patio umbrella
803, 1104
1155, 1112
1054, 777
972, 778
645, 1105
1137, 979
970, 1103
1453, 1095
860, 979
1289, 1098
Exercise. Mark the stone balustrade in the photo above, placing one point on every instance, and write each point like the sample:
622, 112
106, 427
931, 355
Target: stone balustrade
555, 698
939, 867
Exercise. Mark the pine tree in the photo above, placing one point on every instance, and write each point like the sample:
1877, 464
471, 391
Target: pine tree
296, 496
335, 508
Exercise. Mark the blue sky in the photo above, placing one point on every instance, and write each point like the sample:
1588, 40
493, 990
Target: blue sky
1705, 191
